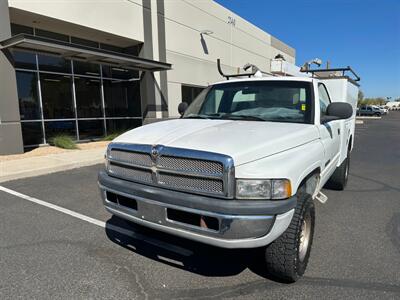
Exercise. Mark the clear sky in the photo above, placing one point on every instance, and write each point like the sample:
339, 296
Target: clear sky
364, 34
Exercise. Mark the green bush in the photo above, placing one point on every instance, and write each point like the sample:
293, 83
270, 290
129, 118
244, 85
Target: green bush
63, 141
111, 136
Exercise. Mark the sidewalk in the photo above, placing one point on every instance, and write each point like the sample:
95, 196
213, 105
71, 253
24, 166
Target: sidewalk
45, 164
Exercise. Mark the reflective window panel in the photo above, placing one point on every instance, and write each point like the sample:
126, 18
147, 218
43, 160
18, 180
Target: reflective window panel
85, 68
18, 29
122, 125
52, 35
32, 133
122, 99
29, 106
88, 97
53, 128
90, 129
79, 41
54, 64
24, 60
57, 96
119, 73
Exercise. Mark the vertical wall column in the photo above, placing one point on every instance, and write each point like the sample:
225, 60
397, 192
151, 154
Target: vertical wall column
10, 122
154, 85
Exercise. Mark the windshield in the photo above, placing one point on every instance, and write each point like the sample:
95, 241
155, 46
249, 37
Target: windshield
279, 101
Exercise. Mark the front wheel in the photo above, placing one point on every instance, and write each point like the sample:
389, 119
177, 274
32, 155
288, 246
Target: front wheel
287, 257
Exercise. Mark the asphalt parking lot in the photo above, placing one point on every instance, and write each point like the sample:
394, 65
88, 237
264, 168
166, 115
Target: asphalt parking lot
47, 253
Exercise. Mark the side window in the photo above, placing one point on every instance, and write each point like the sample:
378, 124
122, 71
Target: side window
323, 99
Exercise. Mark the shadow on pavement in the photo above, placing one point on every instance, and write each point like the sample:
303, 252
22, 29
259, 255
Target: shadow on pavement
184, 254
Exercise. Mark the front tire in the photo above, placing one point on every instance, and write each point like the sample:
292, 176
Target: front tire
287, 257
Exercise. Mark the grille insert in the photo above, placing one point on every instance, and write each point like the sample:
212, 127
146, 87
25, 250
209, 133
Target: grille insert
190, 165
134, 158
189, 183
130, 173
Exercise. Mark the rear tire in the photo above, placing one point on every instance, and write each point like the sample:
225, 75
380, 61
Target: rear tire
287, 257
339, 178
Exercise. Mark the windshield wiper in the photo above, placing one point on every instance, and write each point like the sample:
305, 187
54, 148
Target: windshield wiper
208, 116
242, 117
196, 117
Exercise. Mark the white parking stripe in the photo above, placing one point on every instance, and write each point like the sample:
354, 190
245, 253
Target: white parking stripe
102, 224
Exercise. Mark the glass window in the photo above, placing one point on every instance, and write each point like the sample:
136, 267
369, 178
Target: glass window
54, 64
111, 48
276, 101
323, 99
122, 98
88, 98
90, 129
24, 60
29, 106
119, 73
57, 96
189, 93
52, 35
18, 29
32, 133
85, 68
122, 125
79, 41
54, 128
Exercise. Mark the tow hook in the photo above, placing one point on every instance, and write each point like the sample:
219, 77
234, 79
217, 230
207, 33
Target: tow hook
321, 197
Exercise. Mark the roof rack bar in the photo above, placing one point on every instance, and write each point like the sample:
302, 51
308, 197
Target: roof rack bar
227, 76
348, 68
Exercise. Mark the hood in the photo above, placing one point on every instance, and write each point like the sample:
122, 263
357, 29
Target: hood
244, 141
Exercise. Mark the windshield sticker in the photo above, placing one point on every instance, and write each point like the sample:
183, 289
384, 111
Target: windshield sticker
303, 107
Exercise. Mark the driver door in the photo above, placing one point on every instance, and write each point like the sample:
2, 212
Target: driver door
329, 133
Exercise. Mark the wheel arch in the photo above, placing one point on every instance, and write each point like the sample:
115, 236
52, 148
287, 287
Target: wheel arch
310, 181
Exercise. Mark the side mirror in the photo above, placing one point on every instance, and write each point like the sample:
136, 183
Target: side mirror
338, 111
182, 108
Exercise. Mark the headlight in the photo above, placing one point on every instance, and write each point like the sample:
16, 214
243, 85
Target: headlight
263, 188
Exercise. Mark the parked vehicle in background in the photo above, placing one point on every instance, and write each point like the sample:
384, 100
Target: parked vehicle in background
382, 109
368, 110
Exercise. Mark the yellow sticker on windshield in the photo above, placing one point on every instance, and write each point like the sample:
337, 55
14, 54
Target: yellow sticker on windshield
303, 107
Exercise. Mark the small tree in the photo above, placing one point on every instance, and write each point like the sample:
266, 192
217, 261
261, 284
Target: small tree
360, 98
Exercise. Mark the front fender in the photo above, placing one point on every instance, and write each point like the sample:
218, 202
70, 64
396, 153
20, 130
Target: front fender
294, 164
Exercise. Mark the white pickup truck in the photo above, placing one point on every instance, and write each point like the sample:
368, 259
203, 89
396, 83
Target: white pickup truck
241, 168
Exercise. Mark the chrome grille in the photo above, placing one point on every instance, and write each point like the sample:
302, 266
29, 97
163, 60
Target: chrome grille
175, 168
188, 183
192, 165
130, 173
134, 158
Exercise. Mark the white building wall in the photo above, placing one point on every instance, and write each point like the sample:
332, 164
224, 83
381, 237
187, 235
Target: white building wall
119, 17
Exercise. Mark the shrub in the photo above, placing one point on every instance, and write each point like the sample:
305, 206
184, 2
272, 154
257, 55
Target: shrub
63, 141
111, 136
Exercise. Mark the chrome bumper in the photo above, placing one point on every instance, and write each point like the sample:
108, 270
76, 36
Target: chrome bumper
234, 231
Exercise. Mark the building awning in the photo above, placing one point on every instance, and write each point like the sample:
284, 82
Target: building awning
80, 52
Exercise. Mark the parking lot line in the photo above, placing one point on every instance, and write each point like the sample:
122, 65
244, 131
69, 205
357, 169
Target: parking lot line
99, 223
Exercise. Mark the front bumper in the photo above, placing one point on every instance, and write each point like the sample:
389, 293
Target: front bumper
240, 223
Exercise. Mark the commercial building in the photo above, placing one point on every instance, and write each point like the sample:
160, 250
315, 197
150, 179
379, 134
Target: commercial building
95, 67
